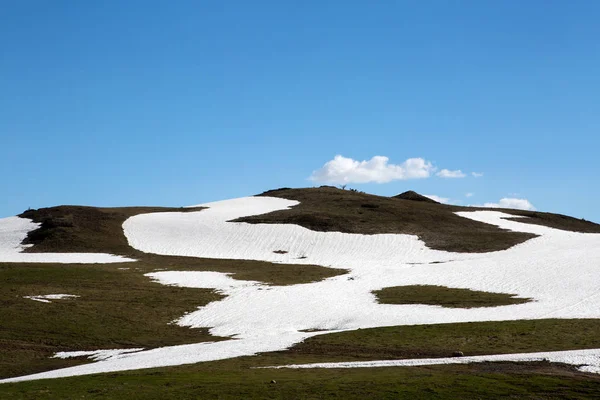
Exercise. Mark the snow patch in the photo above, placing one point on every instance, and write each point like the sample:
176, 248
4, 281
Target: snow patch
584, 360
169, 356
45, 298
220, 281
209, 234
96, 355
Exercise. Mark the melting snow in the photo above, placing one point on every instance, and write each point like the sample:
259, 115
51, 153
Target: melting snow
585, 360
45, 298
96, 355
559, 270
13, 230
223, 282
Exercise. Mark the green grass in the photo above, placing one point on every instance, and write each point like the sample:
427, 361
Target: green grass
226, 380
237, 378
116, 309
441, 340
445, 297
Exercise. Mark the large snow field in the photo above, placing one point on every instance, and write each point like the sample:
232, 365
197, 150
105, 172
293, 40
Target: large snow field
207, 233
13, 230
559, 270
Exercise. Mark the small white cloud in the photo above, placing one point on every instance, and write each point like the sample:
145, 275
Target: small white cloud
508, 202
446, 173
477, 174
443, 200
343, 170
469, 194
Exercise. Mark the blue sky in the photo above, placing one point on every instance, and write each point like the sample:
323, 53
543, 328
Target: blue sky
175, 103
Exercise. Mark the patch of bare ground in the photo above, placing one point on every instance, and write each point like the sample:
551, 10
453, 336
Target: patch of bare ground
329, 209
445, 297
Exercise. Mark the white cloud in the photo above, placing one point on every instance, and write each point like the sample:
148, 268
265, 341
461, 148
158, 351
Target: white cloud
477, 174
508, 202
443, 200
343, 170
469, 194
446, 173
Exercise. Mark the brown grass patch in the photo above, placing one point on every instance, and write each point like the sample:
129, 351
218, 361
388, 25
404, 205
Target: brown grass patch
445, 297
442, 340
327, 209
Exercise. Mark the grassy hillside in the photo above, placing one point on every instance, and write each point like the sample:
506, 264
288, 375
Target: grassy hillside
239, 378
116, 308
442, 340
119, 307
330, 209
231, 380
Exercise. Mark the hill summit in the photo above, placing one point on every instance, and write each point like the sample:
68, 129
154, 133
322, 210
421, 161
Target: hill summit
414, 196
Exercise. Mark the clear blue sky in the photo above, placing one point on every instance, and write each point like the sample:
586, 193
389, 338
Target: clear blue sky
179, 102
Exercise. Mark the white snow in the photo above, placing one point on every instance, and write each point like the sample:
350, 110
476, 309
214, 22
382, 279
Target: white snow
169, 356
201, 279
45, 298
584, 360
559, 270
96, 355
207, 233
13, 230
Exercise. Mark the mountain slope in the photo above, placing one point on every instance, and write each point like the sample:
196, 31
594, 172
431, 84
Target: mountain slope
414, 196
328, 209
554, 274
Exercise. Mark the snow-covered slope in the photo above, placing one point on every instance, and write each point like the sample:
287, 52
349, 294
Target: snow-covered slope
559, 270
207, 233
13, 231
